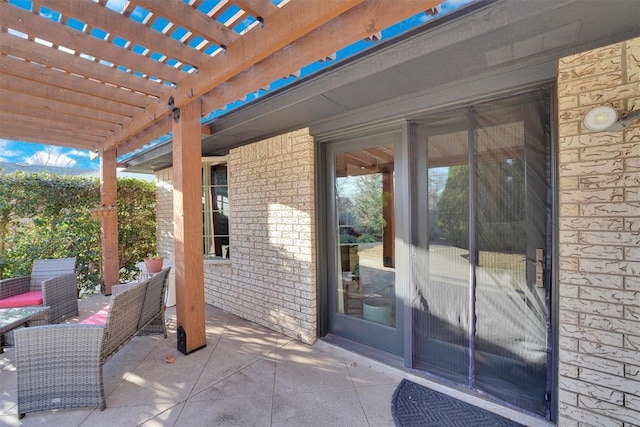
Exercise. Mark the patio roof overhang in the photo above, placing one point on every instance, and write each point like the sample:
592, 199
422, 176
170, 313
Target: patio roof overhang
91, 75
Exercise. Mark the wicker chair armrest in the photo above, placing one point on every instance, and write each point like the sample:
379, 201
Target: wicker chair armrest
14, 286
61, 295
59, 367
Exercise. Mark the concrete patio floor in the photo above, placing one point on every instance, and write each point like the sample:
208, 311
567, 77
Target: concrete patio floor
247, 375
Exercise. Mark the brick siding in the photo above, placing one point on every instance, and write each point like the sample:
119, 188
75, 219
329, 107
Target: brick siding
599, 240
164, 213
271, 277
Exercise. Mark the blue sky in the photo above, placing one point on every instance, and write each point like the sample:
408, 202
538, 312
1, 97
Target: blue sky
31, 153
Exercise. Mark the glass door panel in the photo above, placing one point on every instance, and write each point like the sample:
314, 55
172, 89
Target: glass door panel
363, 305
365, 234
441, 250
511, 329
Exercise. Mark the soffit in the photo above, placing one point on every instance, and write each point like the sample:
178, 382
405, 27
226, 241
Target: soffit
489, 41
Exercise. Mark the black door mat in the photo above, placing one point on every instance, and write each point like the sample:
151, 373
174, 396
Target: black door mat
416, 405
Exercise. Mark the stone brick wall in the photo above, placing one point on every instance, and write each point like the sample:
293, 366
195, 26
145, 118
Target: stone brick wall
599, 234
271, 276
164, 213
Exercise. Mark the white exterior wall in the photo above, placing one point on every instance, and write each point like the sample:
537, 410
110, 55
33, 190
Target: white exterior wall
599, 234
271, 276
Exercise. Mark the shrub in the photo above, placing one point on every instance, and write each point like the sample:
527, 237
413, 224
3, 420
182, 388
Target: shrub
47, 216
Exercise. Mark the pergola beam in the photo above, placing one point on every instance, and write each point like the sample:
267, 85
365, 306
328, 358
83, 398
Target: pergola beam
291, 22
160, 128
152, 133
262, 8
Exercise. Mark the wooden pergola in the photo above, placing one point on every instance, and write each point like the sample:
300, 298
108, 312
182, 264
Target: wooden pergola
111, 76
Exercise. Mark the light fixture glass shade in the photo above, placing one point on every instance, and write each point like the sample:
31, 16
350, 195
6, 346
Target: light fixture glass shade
600, 118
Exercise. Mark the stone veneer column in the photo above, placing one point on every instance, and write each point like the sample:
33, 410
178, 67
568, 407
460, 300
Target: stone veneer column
599, 234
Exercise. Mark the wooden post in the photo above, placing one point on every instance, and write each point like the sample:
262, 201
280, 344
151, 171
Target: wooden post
109, 223
187, 218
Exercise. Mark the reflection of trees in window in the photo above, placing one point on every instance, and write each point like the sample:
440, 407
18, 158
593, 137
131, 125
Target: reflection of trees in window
501, 191
453, 207
500, 204
437, 178
368, 202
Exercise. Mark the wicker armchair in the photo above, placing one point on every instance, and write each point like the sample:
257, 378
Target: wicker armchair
52, 283
60, 366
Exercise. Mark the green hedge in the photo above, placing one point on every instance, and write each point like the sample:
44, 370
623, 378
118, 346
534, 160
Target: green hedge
47, 216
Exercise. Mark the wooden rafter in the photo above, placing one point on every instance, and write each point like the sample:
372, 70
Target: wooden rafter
80, 74
53, 58
121, 26
29, 111
81, 43
199, 24
37, 74
55, 105
79, 127
285, 26
71, 97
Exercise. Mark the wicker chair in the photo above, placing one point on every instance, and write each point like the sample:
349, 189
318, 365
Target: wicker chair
60, 366
52, 283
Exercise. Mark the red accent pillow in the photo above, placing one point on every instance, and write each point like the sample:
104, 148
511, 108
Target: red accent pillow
22, 300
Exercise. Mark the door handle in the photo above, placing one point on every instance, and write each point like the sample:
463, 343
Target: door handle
539, 268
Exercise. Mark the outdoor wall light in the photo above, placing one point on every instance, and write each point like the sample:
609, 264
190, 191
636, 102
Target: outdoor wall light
603, 118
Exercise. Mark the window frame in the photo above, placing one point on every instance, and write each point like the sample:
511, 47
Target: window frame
209, 234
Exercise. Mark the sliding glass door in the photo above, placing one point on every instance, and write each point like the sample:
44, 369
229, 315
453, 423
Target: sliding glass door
480, 249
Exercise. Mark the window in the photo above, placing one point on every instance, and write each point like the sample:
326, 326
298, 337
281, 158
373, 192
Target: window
215, 207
